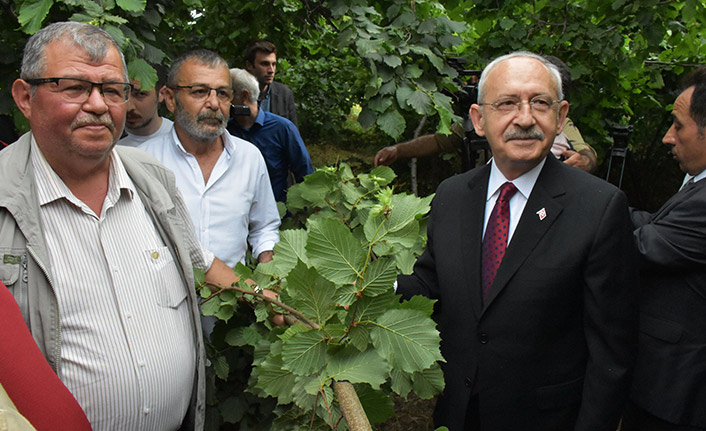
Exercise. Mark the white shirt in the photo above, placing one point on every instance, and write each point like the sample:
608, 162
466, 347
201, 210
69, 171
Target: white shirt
524, 183
235, 207
127, 336
133, 140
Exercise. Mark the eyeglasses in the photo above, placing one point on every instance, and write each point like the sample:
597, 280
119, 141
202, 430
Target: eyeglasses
77, 90
202, 92
512, 105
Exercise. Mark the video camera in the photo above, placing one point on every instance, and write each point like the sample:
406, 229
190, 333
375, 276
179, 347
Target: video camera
473, 144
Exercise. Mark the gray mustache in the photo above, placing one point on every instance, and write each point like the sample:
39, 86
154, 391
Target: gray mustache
93, 120
524, 134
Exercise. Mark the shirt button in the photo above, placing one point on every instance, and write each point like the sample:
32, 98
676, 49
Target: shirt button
146, 410
468, 382
141, 364
128, 315
483, 338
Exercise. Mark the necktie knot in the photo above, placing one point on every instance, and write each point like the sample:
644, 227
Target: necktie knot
507, 191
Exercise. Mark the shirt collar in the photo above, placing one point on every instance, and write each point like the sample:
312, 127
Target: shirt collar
260, 118
228, 142
524, 183
51, 187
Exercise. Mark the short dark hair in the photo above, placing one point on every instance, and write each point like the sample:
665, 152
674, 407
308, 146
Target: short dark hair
201, 56
260, 45
697, 110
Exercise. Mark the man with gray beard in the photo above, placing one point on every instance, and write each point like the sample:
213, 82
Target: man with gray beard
223, 179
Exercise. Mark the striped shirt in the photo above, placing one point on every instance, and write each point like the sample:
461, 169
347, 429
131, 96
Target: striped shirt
127, 337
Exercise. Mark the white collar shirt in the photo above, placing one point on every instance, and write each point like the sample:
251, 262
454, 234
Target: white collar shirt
128, 352
235, 207
524, 183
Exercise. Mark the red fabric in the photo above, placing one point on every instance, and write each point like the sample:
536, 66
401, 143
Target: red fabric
28, 379
495, 239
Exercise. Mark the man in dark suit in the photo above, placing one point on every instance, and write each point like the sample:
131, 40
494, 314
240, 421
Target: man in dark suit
669, 386
545, 341
275, 97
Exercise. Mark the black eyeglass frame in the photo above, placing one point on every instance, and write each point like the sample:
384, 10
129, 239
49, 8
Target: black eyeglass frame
55, 80
203, 86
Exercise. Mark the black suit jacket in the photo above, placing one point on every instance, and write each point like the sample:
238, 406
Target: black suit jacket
553, 345
282, 102
670, 373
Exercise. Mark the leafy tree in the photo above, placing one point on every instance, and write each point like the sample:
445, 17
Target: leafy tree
337, 274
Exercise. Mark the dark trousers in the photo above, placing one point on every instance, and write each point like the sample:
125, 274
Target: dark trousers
637, 419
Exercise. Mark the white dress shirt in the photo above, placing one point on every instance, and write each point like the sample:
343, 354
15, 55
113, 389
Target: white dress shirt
524, 183
133, 140
127, 334
235, 207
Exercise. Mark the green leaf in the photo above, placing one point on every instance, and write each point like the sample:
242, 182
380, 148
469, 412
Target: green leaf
358, 367
407, 339
419, 303
392, 60
334, 251
290, 249
275, 381
232, 409
305, 353
313, 294
378, 406
359, 337
392, 123
211, 307
401, 382
421, 102
403, 94
245, 336
132, 5
32, 14
220, 367
139, 70
428, 382
116, 33
379, 277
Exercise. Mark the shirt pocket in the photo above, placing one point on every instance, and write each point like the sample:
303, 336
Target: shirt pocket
13, 273
170, 286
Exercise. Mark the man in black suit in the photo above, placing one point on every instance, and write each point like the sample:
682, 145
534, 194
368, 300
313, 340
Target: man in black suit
548, 341
669, 386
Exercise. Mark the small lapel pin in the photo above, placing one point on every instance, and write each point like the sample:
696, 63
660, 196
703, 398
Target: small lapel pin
542, 214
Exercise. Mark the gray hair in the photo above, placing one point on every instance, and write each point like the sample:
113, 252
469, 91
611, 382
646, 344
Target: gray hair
242, 80
201, 56
553, 70
91, 39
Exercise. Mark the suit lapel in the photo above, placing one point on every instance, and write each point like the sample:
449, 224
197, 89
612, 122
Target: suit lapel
531, 227
472, 214
686, 193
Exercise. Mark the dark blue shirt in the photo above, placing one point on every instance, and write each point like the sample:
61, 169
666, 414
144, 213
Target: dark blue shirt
281, 146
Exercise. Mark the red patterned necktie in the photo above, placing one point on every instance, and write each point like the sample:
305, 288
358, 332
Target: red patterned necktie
496, 234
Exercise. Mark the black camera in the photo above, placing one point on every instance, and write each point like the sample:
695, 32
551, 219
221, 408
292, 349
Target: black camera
239, 111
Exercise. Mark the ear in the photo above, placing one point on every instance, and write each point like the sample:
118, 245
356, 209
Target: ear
22, 93
561, 115
476, 114
169, 97
249, 66
160, 94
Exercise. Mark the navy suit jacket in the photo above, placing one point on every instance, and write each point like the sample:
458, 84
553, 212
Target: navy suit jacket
552, 346
670, 373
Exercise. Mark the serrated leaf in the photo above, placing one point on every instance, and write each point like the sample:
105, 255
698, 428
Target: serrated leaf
141, 71
305, 353
334, 251
225, 313
368, 309
220, 367
359, 337
244, 336
378, 406
232, 409
418, 303
132, 5
407, 339
358, 367
428, 382
116, 33
211, 307
275, 381
32, 14
403, 95
400, 382
290, 249
404, 210
392, 123
383, 175
312, 293
379, 277
392, 60
421, 102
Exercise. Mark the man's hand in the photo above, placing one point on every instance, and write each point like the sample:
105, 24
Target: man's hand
386, 156
579, 160
265, 256
277, 318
